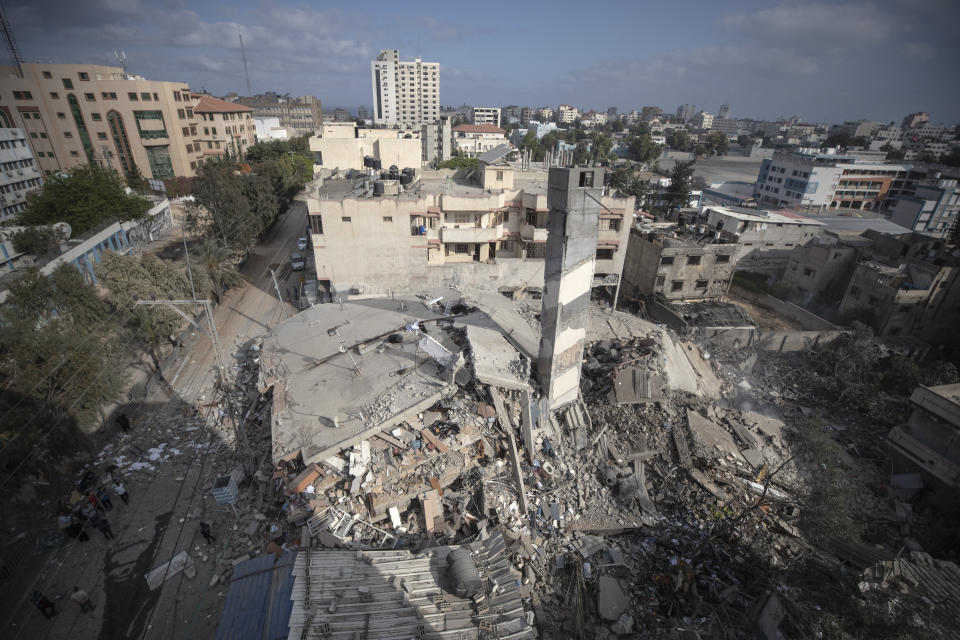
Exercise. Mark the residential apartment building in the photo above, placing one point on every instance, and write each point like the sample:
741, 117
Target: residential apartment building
685, 112
488, 233
649, 113
437, 141
915, 120
567, 114
363, 113
818, 272
344, 145
594, 118
303, 114
703, 121
811, 179
78, 113
858, 128
726, 126
486, 115
404, 93
511, 114
474, 139
905, 285
225, 128
724, 111
526, 115
544, 114
19, 172
934, 208
677, 263
341, 115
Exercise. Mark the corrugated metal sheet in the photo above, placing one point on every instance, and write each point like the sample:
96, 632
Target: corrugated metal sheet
258, 603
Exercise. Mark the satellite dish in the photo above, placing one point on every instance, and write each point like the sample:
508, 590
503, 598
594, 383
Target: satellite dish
63, 230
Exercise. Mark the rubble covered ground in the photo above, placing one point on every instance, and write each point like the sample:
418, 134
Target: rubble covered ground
692, 491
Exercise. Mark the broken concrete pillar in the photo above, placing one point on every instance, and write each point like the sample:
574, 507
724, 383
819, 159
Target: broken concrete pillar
573, 196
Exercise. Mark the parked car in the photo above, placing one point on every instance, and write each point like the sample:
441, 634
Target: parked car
296, 262
302, 244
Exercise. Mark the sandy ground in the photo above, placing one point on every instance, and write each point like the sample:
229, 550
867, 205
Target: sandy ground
168, 501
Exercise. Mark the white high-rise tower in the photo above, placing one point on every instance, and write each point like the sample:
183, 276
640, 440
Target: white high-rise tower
404, 93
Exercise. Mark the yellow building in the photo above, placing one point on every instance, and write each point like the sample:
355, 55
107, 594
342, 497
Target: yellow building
79, 113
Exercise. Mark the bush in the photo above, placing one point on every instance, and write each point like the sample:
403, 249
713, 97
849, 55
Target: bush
37, 241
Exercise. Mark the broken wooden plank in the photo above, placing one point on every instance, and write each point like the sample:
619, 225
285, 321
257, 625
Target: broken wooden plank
708, 484
435, 483
432, 439
391, 440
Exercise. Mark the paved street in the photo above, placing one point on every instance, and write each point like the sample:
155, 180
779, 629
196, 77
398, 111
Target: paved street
178, 460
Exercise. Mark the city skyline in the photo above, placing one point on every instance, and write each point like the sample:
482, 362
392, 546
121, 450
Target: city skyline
796, 59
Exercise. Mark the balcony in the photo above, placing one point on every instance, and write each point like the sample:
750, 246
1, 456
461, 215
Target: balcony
470, 235
530, 233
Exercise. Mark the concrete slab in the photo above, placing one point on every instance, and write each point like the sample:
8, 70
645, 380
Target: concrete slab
495, 361
502, 314
612, 600
632, 385
709, 434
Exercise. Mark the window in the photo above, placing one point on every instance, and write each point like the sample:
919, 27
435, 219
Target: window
723, 257
108, 95
181, 114
666, 260
96, 117
61, 115
460, 248
22, 95
132, 95
388, 218
209, 145
156, 97
47, 75
206, 131
43, 134
660, 280
316, 224
90, 97
189, 113
701, 284
67, 134
693, 259
586, 179
67, 83
176, 96
676, 285
499, 175
345, 219
145, 95
33, 134
101, 135
83, 75
604, 254
74, 154
54, 95
189, 148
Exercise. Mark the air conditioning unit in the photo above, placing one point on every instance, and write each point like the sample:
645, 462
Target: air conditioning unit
9, 174
20, 172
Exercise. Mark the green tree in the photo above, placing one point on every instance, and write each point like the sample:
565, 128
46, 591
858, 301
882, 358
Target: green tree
85, 198
221, 273
642, 148
58, 357
678, 193
129, 278
679, 139
219, 189
136, 181
624, 179
273, 149
38, 241
617, 126
718, 142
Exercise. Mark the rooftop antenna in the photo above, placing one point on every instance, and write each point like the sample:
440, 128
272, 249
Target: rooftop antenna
122, 59
11, 43
246, 74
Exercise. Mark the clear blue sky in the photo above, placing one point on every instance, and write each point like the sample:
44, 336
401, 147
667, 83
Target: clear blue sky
823, 61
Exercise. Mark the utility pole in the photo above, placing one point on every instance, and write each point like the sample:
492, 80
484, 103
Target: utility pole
276, 285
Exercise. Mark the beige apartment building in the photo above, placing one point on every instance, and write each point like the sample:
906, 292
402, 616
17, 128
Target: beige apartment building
224, 127
486, 231
344, 145
79, 113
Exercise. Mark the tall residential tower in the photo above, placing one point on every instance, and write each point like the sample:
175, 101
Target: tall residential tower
404, 93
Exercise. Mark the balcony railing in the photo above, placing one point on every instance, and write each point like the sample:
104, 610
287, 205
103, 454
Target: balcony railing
531, 233
469, 234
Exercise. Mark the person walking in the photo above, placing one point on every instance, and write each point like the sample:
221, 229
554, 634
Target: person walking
81, 598
104, 527
95, 502
123, 422
121, 491
104, 498
43, 603
205, 532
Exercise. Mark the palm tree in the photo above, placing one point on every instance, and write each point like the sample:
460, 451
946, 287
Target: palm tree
216, 260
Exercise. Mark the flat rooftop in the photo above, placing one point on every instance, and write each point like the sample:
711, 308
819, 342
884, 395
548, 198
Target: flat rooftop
342, 373
438, 182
